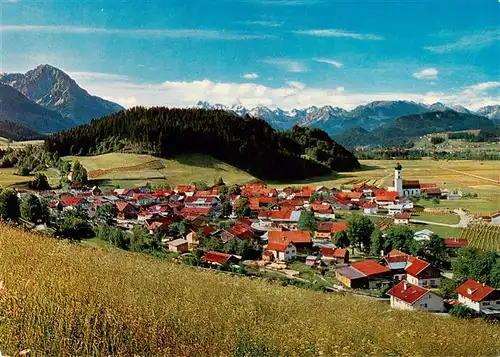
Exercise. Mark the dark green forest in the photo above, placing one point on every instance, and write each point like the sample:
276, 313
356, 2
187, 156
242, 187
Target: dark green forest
247, 143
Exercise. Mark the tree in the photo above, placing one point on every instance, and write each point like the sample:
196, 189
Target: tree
23, 170
73, 225
243, 208
219, 182
360, 231
307, 222
495, 275
139, 239
106, 212
234, 190
341, 240
31, 209
214, 244
472, 264
378, 244
400, 238
79, 173
227, 209
9, 205
40, 182
434, 251
222, 191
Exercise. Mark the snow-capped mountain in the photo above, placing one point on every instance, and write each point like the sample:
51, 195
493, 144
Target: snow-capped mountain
334, 120
491, 111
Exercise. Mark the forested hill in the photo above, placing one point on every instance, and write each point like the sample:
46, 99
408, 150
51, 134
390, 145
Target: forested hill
247, 143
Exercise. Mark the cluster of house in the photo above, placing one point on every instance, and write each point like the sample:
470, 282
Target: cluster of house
413, 280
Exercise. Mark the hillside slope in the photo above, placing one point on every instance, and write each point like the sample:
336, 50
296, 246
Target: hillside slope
406, 128
246, 143
16, 108
67, 299
53, 89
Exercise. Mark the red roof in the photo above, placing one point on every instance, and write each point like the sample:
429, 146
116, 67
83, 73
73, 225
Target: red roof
121, 205
70, 201
416, 267
334, 252
370, 267
396, 252
279, 247
290, 236
427, 185
370, 205
432, 191
194, 211
183, 189
216, 257
386, 196
474, 290
455, 242
407, 292
338, 226
402, 216
349, 195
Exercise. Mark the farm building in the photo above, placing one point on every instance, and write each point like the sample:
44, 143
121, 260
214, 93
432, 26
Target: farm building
402, 218
281, 251
406, 296
364, 274
421, 273
178, 246
479, 297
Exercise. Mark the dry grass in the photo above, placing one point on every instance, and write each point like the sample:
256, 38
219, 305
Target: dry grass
64, 299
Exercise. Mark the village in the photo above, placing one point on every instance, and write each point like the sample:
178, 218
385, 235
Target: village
311, 236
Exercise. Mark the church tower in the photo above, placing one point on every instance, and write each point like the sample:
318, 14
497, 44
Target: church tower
398, 179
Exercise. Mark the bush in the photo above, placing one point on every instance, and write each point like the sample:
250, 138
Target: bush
463, 312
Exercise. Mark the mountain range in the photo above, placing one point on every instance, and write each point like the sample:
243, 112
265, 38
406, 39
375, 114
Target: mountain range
66, 104
334, 120
404, 129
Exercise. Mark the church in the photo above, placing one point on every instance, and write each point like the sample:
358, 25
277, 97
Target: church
405, 188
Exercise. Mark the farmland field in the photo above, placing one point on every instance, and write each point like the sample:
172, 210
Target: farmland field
484, 236
112, 302
439, 218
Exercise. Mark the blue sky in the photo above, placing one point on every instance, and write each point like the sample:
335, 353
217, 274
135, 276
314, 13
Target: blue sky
287, 53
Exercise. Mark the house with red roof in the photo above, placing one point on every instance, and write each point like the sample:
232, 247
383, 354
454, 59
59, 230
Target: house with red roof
384, 198
188, 191
402, 218
193, 237
297, 237
327, 230
218, 258
406, 296
364, 274
201, 202
126, 210
284, 218
421, 273
282, 251
238, 231
455, 243
370, 208
322, 210
493, 218
351, 196
479, 297
335, 255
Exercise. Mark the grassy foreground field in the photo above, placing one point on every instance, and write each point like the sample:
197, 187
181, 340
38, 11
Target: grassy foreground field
69, 299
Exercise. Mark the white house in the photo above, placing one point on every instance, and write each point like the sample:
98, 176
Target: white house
479, 297
421, 273
370, 208
403, 187
406, 296
402, 218
394, 209
282, 251
424, 234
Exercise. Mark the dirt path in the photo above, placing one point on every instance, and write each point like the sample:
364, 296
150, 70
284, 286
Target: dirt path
472, 175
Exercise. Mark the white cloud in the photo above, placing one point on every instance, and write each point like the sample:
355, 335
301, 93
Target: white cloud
291, 95
97, 76
288, 65
295, 84
340, 33
149, 33
250, 76
428, 73
331, 62
264, 23
468, 42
